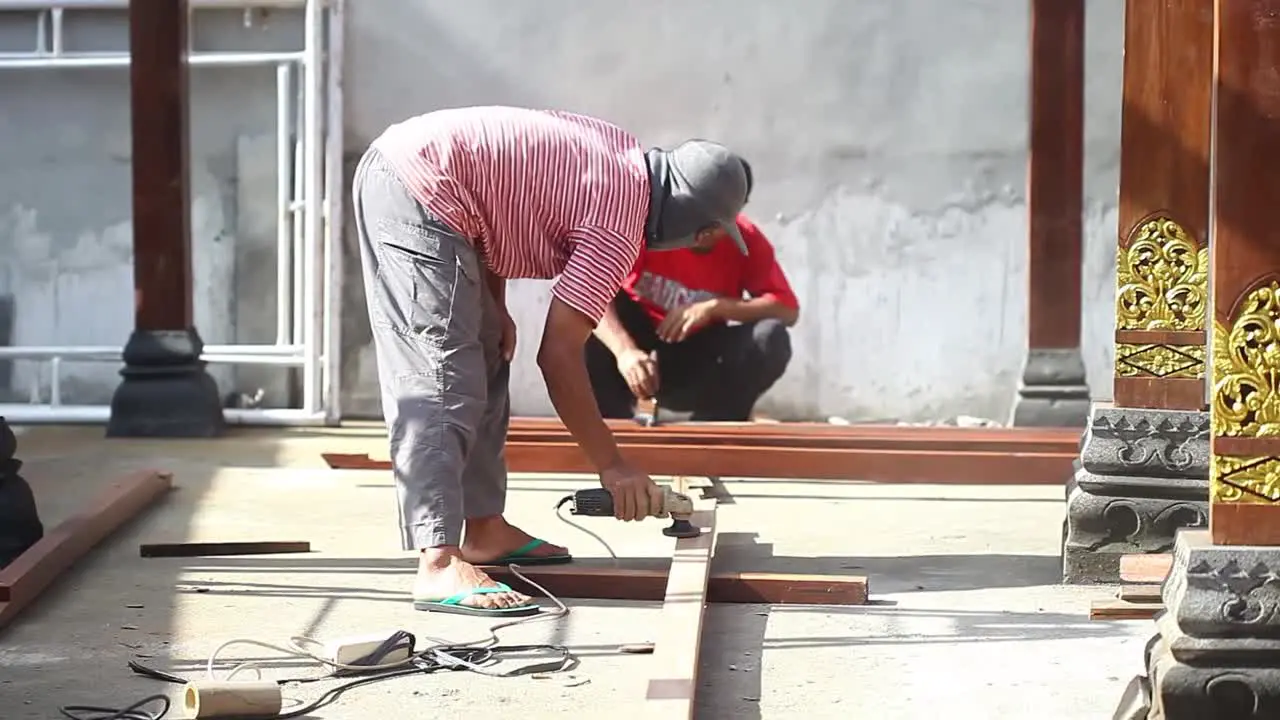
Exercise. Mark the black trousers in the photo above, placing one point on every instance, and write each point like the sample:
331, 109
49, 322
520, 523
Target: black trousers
716, 375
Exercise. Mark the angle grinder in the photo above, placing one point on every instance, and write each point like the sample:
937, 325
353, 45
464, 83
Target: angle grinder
598, 502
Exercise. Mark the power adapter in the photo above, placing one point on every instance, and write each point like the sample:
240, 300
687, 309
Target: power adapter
369, 649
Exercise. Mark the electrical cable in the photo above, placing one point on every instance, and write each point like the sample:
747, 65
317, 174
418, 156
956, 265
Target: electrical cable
581, 528
442, 655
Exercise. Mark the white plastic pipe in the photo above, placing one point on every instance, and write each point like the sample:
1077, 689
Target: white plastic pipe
34, 5
68, 61
313, 144
335, 192
114, 352
20, 414
284, 198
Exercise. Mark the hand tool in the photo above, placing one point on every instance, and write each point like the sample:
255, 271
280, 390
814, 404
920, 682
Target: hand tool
598, 502
647, 412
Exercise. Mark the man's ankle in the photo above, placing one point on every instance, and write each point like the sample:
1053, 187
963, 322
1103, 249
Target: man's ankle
439, 557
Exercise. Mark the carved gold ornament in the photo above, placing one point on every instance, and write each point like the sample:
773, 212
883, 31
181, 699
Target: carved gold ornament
1161, 279
1246, 368
1162, 361
1252, 480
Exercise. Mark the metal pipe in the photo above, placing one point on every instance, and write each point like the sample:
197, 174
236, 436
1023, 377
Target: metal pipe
299, 227
69, 61
55, 381
284, 198
42, 32
57, 31
331, 397
110, 352
313, 144
22, 414
35, 5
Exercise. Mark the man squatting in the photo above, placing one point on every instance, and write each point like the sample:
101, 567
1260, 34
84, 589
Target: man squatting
449, 206
667, 335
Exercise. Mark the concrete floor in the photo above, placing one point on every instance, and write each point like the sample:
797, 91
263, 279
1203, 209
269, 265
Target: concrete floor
967, 614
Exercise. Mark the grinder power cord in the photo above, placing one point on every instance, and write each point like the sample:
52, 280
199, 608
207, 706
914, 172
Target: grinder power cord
365, 659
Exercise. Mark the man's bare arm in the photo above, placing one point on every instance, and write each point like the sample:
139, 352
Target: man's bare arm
759, 308
560, 358
611, 332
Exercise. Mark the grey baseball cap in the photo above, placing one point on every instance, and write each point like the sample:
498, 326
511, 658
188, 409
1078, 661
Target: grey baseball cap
710, 179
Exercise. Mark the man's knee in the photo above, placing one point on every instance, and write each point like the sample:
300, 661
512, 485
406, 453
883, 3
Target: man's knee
771, 345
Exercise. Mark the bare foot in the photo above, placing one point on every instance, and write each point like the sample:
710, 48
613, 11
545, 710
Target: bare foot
489, 538
442, 573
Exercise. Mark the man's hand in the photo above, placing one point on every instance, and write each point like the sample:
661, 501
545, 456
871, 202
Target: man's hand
508, 342
682, 321
635, 495
640, 370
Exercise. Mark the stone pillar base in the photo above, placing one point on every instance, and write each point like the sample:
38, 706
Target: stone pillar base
166, 391
20, 525
1054, 391
1142, 476
1217, 649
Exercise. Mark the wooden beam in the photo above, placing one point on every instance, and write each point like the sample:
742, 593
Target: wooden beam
1055, 174
159, 109
22, 581
1162, 257
646, 580
1141, 568
213, 549
1244, 486
673, 679
886, 466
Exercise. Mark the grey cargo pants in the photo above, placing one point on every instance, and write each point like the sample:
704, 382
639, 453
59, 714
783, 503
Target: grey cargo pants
436, 334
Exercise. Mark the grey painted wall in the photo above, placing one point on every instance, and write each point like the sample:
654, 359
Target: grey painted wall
888, 137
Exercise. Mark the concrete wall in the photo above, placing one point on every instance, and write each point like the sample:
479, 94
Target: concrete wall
888, 138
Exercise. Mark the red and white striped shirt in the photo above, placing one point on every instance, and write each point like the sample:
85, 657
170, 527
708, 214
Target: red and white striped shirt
539, 193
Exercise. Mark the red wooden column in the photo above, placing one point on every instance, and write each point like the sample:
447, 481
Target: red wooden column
165, 390
1245, 401
1054, 390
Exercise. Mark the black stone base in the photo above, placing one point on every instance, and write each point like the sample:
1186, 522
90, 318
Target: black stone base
166, 391
1054, 391
1216, 654
20, 525
1142, 476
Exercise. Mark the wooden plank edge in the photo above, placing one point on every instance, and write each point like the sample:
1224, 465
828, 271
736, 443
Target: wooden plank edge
673, 684
33, 571
1120, 610
621, 583
1145, 567
216, 549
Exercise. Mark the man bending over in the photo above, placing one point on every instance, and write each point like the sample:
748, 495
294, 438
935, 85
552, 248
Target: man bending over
667, 335
448, 207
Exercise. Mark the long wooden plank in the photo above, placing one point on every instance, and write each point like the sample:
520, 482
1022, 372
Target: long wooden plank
647, 580
1143, 568
673, 682
887, 466
22, 581
212, 549
1121, 610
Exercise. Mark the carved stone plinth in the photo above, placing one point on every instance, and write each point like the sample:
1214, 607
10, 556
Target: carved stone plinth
20, 525
1053, 391
1216, 655
1142, 476
166, 391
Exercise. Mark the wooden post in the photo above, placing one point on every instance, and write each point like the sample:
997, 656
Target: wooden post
165, 391
1162, 261
1245, 401
1054, 390
1144, 470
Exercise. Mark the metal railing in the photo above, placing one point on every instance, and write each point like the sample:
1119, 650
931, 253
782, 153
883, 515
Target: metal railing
308, 208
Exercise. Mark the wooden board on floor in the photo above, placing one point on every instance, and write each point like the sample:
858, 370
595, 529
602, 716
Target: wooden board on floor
954, 467
214, 549
673, 675
647, 580
22, 581
1132, 602
1145, 568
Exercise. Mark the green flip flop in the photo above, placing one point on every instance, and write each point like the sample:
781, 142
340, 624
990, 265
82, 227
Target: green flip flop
452, 604
522, 556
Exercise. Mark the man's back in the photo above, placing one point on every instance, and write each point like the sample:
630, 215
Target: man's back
541, 193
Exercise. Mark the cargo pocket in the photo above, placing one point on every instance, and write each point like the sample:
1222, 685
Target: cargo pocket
417, 279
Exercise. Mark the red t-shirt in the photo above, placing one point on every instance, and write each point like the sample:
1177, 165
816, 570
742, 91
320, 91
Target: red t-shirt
664, 280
